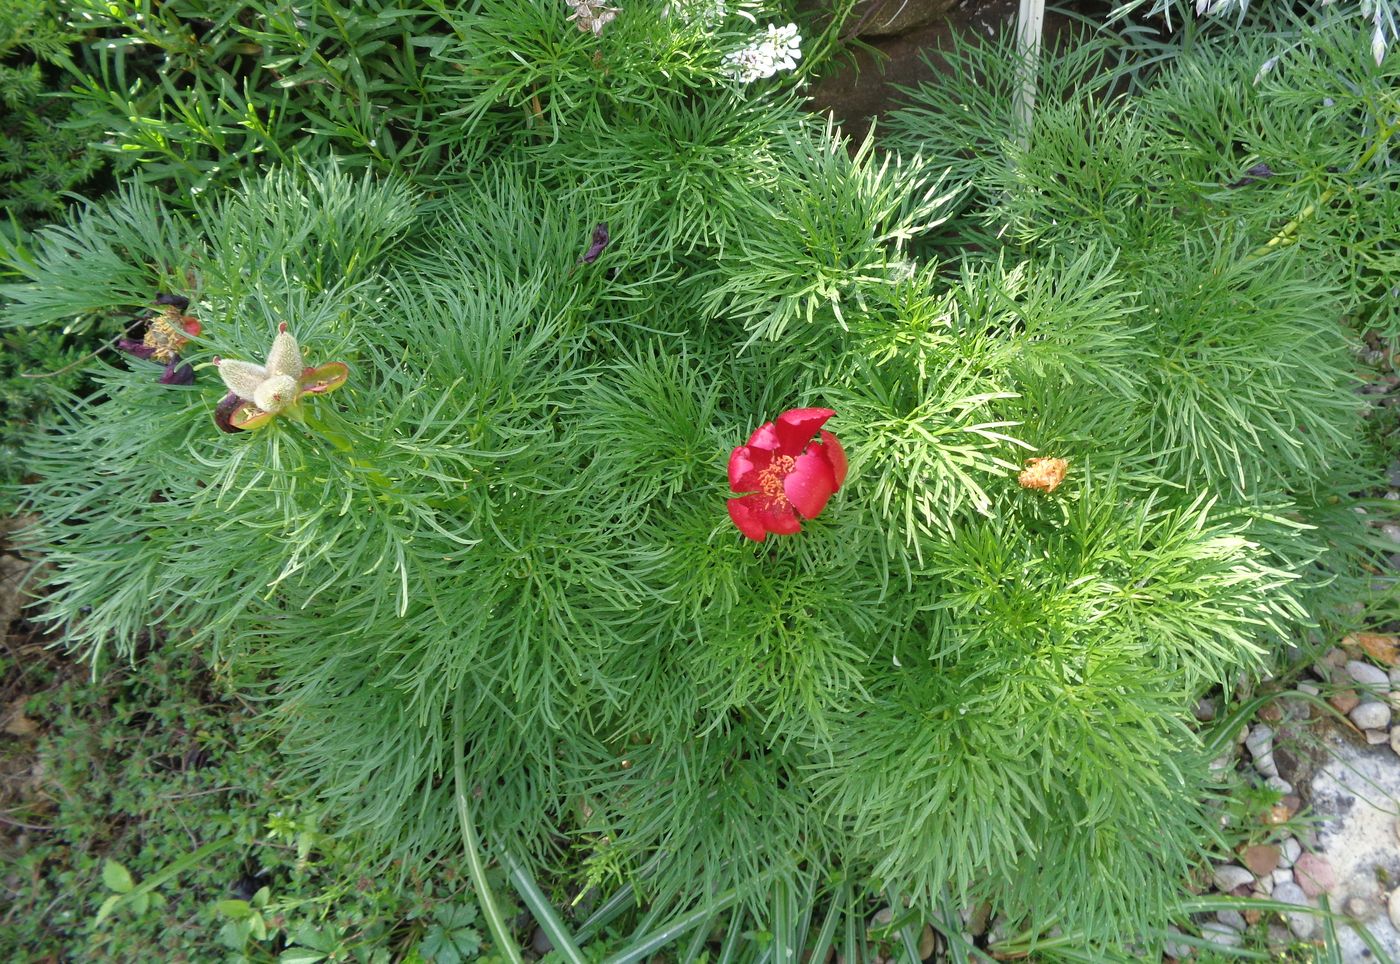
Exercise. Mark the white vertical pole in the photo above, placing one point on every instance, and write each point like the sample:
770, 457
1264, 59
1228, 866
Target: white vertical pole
1030, 27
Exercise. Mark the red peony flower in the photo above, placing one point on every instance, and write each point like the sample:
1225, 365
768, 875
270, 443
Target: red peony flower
784, 473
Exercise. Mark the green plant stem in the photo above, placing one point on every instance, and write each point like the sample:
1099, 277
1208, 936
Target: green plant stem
1285, 235
472, 842
543, 910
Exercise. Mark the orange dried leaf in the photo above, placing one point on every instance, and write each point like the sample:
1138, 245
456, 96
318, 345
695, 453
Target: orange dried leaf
1383, 649
1043, 474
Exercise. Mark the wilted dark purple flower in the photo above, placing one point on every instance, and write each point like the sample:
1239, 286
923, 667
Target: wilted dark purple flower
178, 302
1258, 172
223, 413
600, 241
177, 374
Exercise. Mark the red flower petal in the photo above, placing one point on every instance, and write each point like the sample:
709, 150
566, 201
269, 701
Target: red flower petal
747, 520
764, 437
191, 325
744, 465
796, 427
775, 514
832, 446
810, 483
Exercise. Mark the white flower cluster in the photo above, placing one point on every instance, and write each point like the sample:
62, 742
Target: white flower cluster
779, 50
591, 15
708, 12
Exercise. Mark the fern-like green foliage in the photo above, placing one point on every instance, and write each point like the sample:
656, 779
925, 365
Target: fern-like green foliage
513, 515
41, 156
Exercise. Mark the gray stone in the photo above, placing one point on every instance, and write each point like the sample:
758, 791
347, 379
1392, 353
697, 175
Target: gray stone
1393, 908
1392, 474
1230, 876
1289, 852
540, 942
1368, 675
1175, 948
1279, 784
1260, 743
1302, 923
1392, 531
1221, 935
1376, 737
1312, 689
1231, 918
1282, 876
1371, 715
1205, 710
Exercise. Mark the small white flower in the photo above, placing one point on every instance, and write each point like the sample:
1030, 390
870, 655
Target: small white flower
707, 12
591, 16
779, 50
1378, 45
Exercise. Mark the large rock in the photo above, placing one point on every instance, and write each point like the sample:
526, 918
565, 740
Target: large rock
887, 18
1355, 794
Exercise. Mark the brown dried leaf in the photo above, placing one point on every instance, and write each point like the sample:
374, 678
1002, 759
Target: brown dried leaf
15, 722
1383, 649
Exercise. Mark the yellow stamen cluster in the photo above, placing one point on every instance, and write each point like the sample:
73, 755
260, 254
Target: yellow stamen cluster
165, 335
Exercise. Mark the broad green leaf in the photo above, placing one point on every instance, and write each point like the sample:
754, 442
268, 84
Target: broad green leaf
117, 877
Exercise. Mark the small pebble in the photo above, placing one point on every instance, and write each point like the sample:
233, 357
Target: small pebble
1301, 923
1395, 739
1360, 908
1175, 948
1266, 884
1392, 531
1261, 859
1376, 737
1282, 876
1289, 852
1368, 675
1314, 874
1393, 908
1310, 688
1344, 701
1279, 784
1371, 715
1243, 733
540, 942
1394, 676
1230, 876
1205, 710
1260, 744
927, 943
1231, 918
1221, 935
